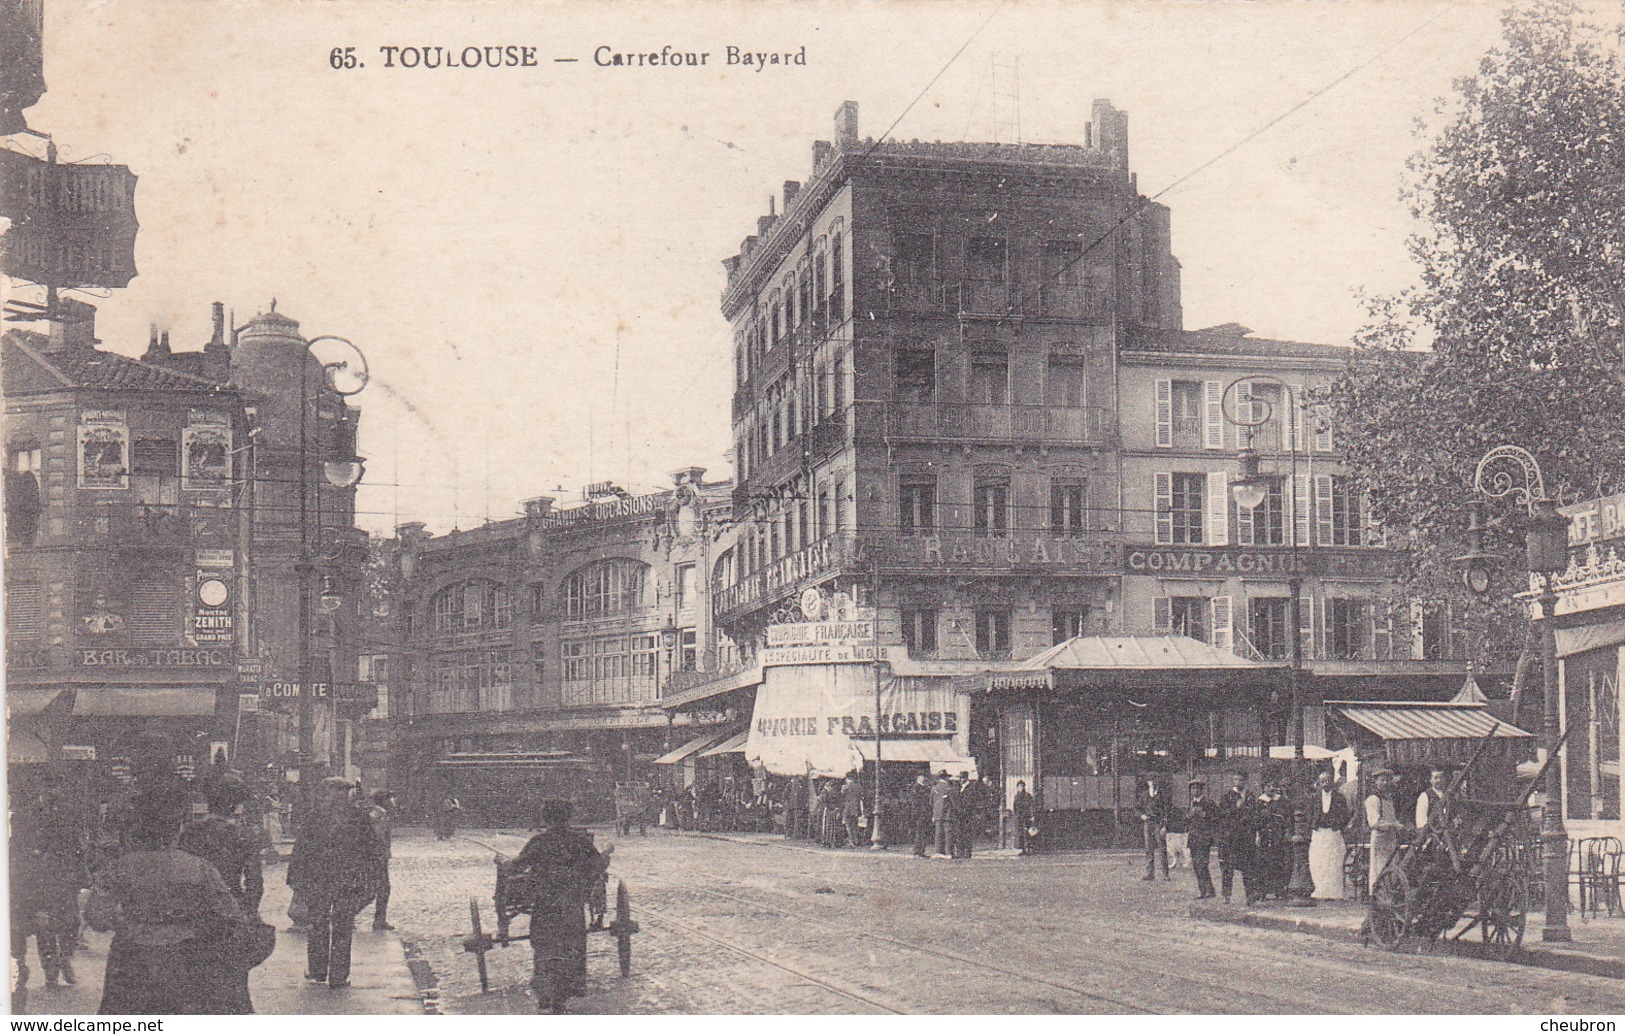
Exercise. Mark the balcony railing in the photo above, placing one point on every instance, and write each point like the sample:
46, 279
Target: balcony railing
829, 555
1072, 301
925, 296
988, 298
959, 421
140, 525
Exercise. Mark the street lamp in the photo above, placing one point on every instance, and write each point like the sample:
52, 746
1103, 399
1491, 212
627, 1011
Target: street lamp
344, 373
1508, 470
1250, 490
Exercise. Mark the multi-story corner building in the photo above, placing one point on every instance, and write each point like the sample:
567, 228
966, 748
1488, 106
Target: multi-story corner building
151, 521
965, 400
549, 639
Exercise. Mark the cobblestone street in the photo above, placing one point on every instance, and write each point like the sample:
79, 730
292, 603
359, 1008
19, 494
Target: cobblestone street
761, 925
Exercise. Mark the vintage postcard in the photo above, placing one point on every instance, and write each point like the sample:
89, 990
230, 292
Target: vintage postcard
728, 507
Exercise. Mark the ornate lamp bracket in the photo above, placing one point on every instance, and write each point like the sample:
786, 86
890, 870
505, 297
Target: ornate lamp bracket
1498, 474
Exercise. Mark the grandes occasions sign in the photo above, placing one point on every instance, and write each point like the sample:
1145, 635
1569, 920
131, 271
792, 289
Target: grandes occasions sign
614, 509
812, 717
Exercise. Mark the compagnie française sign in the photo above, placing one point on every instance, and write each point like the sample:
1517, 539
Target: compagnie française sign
821, 642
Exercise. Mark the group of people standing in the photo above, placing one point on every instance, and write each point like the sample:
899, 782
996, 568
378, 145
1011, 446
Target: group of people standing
1252, 833
940, 817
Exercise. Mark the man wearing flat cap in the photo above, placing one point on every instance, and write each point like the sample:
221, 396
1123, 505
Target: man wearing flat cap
1201, 827
333, 869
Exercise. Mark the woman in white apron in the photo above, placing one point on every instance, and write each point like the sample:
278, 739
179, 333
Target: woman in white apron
1384, 822
1328, 818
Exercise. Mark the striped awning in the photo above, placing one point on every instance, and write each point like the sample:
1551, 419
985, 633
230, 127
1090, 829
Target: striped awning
734, 744
1427, 721
706, 739
144, 701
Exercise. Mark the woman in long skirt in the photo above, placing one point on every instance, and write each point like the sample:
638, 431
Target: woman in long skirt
1331, 814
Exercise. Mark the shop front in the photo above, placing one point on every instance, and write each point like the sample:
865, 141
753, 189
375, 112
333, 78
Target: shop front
1087, 722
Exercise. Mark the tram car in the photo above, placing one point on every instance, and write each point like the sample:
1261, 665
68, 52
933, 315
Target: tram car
507, 788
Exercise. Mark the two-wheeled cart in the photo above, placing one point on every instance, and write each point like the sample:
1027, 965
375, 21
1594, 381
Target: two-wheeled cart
512, 898
1471, 871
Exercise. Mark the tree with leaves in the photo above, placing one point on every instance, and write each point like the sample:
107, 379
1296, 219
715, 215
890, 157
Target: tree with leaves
1514, 333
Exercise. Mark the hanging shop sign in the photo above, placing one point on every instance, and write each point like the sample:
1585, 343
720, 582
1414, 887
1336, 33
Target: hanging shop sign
823, 718
1596, 520
71, 225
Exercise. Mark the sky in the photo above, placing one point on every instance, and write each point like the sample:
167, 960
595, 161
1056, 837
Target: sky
530, 257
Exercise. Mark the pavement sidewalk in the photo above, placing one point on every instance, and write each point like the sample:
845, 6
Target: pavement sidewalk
381, 984
1598, 948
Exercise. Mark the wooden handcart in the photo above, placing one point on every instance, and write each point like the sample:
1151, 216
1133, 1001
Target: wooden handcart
1471, 872
509, 904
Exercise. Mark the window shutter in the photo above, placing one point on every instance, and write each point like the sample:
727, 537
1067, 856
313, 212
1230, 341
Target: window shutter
1295, 428
1375, 534
1165, 508
1382, 630
1418, 641
1161, 615
1213, 436
1165, 413
1323, 509
1307, 625
1223, 630
1218, 508
1323, 432
1244, 526
1300, 509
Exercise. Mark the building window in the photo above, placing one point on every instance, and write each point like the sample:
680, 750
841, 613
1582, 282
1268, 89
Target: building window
24, 606
156, 456
476, 606
992, 502
1064, 387
538, 602
1265, 524
837, 278
154, 617
1067, 623
1433, 631
838, 384
917, 507
1066, 507
605, 587
1063, 262
1188, 616
1181, 499
22, 494
1187, 414
538, 663
916, 261
1266, 618
915, 373
1344, 502
1348, 628
984, 259
920, 631
689, 659
684, 585
989, 380
993, 634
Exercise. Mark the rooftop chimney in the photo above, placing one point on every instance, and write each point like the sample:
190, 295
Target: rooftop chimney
217, 341
846, 125
73, 326
688, 476
1110, 131
791, 189
539, 507
822, 150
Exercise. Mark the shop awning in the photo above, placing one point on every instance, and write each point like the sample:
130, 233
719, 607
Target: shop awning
936, 752
1135, 653
144, 701
693, 746
734, 744
1426, 721
25, 748
750, 678
30, 700
1571, 641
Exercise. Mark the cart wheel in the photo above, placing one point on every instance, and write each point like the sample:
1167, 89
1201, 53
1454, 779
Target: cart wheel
1503, 912
1390, 916
624, 927
479, 935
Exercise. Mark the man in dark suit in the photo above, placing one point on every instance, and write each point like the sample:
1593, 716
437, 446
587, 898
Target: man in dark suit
1202, 825
1236, 833
1154, 821
852, 810
1022, 815
944, 806
918, 803
972, 813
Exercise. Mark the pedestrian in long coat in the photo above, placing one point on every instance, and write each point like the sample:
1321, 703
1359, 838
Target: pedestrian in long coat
1022, 817
1236, 838
171, 916
918, 803
382, 816
559, 868
47, 871
972, 814
944, 812
334, 869
1272, 858
218, 840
